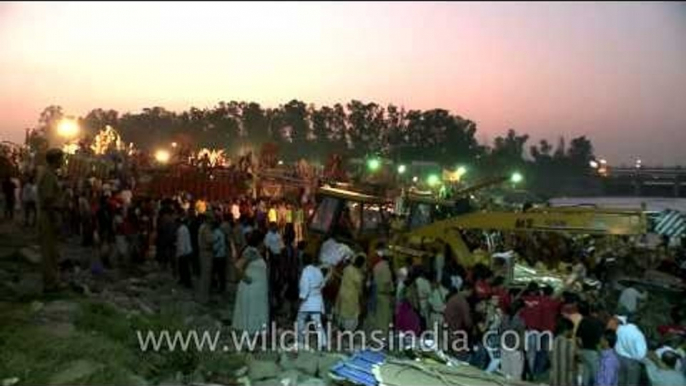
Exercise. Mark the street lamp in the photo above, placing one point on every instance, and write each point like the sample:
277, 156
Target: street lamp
516, 178
373, 164
594, 164
402, 169
433, 180
461, 170
162, 156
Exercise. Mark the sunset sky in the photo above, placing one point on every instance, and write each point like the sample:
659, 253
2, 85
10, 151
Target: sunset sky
615, 72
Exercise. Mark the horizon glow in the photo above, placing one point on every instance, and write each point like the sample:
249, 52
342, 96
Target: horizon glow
615, 72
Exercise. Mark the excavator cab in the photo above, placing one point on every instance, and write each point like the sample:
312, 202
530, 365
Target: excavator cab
357, 219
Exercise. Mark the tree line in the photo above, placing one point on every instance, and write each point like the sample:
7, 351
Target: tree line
356, 129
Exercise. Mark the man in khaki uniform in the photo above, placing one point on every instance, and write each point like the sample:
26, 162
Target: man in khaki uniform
49, 204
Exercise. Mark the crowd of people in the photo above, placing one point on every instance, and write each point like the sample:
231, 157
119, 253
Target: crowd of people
257, 249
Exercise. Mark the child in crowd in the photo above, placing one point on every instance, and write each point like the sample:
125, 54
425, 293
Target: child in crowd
608, 370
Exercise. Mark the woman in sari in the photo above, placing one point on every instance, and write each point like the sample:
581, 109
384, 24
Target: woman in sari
251, 311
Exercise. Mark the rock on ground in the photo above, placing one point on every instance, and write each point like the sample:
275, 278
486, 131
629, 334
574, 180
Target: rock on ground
60, 310
312, 382
31, 254
290, 378
59, 329
307, 362
75, 371
259, 370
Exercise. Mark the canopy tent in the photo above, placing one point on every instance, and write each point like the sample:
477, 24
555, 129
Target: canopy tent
671, 223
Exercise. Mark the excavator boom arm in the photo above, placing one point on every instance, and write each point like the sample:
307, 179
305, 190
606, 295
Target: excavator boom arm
586, 222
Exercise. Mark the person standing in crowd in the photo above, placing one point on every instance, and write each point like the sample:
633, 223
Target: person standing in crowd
29, 197
458, 316
206, 256
439, 264
588, 333
401, 276
564, 363
491, 327
423, 292
608, 366
312, 307
628, 300
289, 216
436, 304
49, 204
261, 216
251, 309
121, 247
631, 348
281, 213
219, 250
166, 234
183, 253
194, 221
231, 252
512, 352
272, 216
298, 223
8, 189
662, 369
235, 211
531, 314
348, 300
549, 312
381, 313
290, 275
407, 319
274, 244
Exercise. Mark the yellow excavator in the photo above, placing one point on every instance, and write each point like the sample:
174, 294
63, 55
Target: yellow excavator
363, 219
414, 240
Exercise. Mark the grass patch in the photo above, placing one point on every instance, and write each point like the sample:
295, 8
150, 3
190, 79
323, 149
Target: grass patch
103, 335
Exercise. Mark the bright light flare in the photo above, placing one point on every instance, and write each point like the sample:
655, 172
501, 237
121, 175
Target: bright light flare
374, 164
516, 178
433, 180
67, 128
402, 169
162, 156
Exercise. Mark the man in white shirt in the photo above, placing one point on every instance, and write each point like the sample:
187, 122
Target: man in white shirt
184, 250
631, 349
273, 241
312, 303
29, 198
628, 300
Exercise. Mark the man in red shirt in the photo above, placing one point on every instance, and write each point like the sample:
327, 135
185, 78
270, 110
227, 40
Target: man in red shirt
532, 316
498, 289
549, 312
